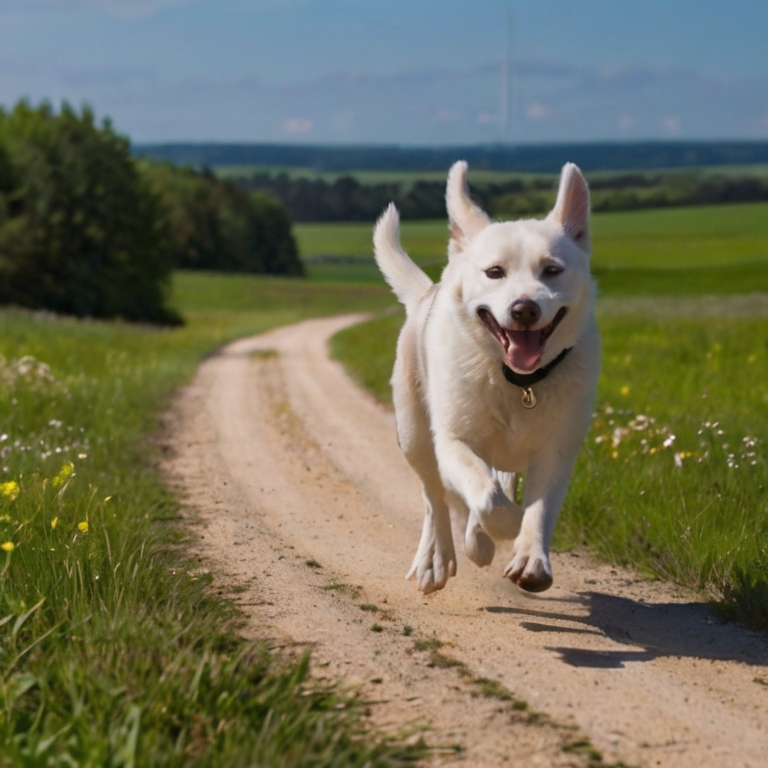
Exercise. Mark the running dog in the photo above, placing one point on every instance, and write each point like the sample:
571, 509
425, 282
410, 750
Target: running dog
495, 376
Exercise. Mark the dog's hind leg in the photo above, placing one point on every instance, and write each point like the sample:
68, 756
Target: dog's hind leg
435, 560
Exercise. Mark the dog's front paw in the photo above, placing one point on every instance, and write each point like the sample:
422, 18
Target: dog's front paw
531, 572
478, 545
432, 567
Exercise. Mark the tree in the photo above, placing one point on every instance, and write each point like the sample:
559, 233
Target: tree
217, 225
81, 232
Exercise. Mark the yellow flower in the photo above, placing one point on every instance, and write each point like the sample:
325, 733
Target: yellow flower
10, 489
54, 523
8, 546
64, 474
624, 390
83, 527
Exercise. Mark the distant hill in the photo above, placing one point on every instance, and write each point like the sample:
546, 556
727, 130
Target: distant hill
542, 158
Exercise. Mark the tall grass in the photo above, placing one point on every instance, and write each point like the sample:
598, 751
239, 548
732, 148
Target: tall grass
113, 651
673, 478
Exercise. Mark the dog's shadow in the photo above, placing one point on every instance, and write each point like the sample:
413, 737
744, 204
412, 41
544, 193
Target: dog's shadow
665, 629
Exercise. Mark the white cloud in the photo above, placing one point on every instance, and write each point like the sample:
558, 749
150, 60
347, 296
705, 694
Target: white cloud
447, 115
298, 125
672, 125
537, 111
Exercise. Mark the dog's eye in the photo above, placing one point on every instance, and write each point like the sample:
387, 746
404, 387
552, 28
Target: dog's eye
495, 273
552, 269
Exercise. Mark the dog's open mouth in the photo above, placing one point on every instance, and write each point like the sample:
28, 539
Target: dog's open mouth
522, 349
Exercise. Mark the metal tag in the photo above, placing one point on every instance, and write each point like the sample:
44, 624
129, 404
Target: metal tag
529, 399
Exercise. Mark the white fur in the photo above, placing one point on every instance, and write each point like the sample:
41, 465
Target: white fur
460, 423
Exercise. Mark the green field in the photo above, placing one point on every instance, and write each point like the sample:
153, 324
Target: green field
114, 650
376, 177
478, 176
673, 478
672, 251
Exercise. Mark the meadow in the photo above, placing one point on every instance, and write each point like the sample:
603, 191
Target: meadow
673, 478
114, 648
671, 251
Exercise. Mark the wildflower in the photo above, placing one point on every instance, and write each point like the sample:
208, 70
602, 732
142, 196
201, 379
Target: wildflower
8, 546
54, 523
669, 441
10, 489
64, 474
624, 390
83, 527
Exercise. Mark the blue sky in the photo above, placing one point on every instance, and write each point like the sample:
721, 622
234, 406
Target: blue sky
401, 71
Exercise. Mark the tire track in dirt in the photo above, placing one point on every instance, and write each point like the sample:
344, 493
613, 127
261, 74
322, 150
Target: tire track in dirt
290, 466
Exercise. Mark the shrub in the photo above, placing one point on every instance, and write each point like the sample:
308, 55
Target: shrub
81, 232
218, 226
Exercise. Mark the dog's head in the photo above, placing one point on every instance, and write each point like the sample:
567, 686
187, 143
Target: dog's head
523, 286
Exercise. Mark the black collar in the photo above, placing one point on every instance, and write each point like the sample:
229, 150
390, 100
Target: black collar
529, 379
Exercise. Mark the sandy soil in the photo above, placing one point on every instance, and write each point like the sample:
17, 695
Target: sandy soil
294, 480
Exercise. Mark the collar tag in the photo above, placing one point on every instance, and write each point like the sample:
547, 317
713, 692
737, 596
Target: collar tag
529, 398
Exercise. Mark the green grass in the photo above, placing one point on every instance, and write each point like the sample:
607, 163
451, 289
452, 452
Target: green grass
408, 178
673, 477
114, 648
670, 251
344, 251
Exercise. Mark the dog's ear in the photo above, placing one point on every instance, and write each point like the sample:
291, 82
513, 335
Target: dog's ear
572, 206
465, 219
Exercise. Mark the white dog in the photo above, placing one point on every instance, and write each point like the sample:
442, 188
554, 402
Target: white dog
495, 375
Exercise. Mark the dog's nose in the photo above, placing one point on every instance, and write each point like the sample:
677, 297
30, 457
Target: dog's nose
526, 313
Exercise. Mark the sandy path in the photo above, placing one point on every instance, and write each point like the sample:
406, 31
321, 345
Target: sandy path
289, 466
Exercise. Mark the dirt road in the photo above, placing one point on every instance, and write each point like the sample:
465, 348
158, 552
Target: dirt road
302, 496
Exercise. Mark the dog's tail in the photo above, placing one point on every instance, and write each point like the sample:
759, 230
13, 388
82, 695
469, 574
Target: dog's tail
406, 279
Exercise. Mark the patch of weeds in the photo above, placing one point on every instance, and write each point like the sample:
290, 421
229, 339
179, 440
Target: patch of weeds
377, 628
407, 630
432, 645
442, 661
583, 747
369, 607
493, 689
760, 680
265, 354
428, 644
312, 563
333, 585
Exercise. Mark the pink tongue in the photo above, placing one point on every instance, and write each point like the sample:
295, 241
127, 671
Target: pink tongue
525, 350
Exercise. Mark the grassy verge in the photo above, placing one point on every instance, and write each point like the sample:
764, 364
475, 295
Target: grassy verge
673, 477
680, 251
113, 650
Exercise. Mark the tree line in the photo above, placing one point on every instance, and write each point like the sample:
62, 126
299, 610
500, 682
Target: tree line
348, 199
87, 230
521, 158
